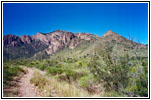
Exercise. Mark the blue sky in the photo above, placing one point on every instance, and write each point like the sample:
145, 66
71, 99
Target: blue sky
97, 18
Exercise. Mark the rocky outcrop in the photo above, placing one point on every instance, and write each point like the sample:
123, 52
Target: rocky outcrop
41, 37
26, 39
109, 36
11, 40
55, 40
74, 43
109, 32
85, 36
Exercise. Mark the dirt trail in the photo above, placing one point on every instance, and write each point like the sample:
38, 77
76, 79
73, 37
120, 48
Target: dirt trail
26, 89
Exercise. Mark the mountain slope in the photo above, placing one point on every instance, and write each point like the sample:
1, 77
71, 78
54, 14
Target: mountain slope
42, 45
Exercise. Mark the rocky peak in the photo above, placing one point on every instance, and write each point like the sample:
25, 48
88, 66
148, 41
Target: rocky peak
60, 33
39, 33
56, 40
40, 36
110, 36
58, 30
110, 32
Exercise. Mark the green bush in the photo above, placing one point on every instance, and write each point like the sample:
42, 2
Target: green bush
142, 86
54, 70
70, 74
86, 81
10, 71
41, 67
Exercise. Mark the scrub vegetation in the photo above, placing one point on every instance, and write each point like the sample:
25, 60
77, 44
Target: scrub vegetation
97, 74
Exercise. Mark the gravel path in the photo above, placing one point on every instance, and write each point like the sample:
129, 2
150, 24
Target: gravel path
26, 89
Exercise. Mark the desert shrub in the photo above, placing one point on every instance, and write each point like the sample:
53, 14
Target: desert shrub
27, 63
51, 62
79, 64
70, 60
114, 94
86, 81
49, 87
38, 80
10, 71
32, 64
72, 75
41, 66
121, 74
54, 70
139, 80
24, 62
67, 74
113, 74
142, 86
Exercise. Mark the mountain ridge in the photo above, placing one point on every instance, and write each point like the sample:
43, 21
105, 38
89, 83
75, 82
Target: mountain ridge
52, 42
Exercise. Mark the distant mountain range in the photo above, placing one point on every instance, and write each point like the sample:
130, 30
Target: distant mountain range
43, 45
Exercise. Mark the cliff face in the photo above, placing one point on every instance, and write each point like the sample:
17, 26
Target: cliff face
56, 40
